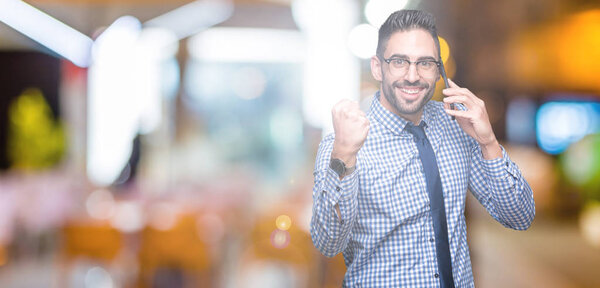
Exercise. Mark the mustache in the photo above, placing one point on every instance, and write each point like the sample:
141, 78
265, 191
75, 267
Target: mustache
405, 83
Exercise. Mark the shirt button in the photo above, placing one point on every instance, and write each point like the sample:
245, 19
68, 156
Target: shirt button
431, 240
437, 275
338, 188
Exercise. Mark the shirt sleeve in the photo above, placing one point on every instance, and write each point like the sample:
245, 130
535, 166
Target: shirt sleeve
501, 188
330, 232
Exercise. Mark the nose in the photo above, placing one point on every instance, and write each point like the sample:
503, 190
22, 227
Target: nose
412, 75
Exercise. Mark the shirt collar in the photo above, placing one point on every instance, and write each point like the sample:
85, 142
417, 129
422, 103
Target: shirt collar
395, 123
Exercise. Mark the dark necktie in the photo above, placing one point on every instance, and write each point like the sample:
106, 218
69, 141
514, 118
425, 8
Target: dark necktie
436, 199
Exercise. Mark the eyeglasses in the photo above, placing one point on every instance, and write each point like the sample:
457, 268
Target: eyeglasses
399, 66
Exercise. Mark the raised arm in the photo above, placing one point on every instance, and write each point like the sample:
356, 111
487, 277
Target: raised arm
335, 195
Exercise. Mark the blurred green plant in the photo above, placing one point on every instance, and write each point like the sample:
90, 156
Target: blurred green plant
581, 166
35, 139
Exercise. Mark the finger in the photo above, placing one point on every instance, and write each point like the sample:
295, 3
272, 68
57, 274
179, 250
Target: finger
355, 114
457, 99
452, 84
454, 92
466, 101
471, 101
344, 103
365, 123
340, 103
459, 113
457, 91
344, 106
346, 100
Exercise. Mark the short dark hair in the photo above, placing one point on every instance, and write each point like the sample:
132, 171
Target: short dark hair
405, 20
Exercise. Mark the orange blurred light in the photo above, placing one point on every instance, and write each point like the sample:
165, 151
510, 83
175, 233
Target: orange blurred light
561, 55
283, 222
3, 257
444, 49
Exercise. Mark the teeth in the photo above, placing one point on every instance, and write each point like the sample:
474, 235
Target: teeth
411, 91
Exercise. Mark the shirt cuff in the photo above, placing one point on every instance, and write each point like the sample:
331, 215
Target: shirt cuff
341, 190
499, 167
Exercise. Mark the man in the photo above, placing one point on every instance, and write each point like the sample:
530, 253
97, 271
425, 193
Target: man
392, 198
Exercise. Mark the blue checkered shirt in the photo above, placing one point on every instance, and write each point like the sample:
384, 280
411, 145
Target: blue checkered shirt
385, 228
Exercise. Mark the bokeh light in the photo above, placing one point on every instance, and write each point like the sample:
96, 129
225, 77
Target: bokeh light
128, 217
362, 41
589, 223
35, 140
581, 163
3, 256
98, 277
561, 55
559, 124
444, 49
55, 35
100, 204
163, 216
376, 11
249, 82
280, 239
283, 222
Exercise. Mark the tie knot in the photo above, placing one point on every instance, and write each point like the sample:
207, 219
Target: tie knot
416, 131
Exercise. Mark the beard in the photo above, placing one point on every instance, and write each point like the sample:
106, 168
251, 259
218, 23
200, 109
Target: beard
402, 106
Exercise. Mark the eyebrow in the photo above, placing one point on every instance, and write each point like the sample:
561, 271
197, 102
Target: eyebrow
422, 58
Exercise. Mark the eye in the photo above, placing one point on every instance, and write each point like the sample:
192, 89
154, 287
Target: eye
426, 64
399, 62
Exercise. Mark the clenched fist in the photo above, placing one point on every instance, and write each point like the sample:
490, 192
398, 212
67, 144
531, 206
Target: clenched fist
351, 127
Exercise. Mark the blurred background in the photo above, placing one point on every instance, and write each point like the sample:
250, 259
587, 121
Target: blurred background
148, 143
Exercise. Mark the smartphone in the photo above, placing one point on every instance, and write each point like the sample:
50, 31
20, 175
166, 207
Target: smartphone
443, 72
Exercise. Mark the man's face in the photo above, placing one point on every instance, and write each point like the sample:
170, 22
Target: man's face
405, 95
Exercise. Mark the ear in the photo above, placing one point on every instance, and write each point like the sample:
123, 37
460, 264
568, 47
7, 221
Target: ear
376, 68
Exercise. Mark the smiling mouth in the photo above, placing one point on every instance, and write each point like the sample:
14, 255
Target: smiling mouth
412, 91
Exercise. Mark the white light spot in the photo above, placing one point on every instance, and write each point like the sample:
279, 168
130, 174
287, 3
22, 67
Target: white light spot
589, 222
362, 41
98, 278
249, 83
128, 217
163, 216
100, 204
377, 11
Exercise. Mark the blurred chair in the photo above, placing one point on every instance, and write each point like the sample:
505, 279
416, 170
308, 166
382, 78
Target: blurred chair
332, 272
93, 242
175, 257
273, 257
